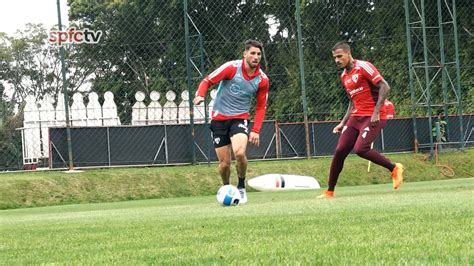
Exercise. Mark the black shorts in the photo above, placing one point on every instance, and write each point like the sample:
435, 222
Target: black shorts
223, 130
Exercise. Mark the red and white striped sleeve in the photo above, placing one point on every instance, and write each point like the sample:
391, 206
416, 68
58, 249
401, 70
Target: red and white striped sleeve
370, 72
261, 105
226, 71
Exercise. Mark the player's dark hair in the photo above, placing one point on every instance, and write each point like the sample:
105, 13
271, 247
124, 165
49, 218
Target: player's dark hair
342, 45
253, 43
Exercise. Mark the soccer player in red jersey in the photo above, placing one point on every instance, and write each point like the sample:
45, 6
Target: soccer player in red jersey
239, 81
364, 119
389, 109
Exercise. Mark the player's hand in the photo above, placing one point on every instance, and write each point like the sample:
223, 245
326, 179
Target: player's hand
254, 138
338, 128
374, 120
198, 100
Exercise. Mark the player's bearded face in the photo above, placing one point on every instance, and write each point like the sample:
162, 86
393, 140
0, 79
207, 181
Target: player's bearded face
252, 56
341, 58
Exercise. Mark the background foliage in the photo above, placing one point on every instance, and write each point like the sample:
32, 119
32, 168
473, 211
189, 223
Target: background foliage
144, 49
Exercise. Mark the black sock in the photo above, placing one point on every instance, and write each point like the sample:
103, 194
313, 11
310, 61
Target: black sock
226, 183
241, 183
392, 166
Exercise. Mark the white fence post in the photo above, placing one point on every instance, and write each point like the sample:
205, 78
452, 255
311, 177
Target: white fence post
155, 111
139, 109
94, 110
170, 109
31, 133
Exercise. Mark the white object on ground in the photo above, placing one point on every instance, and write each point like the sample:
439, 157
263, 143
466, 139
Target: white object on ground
276, 182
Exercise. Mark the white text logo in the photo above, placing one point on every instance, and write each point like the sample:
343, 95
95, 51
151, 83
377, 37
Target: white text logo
244, 127
367, 129
354, 91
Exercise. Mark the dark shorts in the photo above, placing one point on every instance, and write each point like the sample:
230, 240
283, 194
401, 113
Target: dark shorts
223, 130
359, 133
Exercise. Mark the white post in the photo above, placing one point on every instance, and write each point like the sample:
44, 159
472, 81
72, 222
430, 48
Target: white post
109, 110
170, 109
94, 110
31, 132
46, 117
155, 111
78, 111
139, 109
183, 108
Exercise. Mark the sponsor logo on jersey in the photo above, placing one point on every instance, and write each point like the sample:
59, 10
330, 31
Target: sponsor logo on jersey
354, 91
235, 89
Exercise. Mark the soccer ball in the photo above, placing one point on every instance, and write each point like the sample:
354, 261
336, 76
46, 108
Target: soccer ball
228, 195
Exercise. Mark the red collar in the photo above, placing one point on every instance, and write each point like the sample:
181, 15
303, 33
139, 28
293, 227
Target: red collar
246, 76
355, 63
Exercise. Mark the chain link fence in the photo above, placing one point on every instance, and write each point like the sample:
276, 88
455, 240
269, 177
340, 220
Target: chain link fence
132, 68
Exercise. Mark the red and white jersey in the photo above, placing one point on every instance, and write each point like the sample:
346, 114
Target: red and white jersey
360, 84
389, 109
235, 92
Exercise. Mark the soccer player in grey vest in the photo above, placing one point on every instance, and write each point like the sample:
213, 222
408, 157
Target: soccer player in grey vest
239, 81
364, 119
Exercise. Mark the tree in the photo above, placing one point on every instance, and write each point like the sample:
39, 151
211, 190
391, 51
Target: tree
143, 47
31, 66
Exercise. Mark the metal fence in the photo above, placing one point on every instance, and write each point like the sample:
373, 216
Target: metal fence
157, 144
142, 61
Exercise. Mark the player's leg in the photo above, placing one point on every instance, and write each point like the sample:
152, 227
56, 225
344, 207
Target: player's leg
239, 140
239, 147
221, 140
368, 134
224, 156
344, 146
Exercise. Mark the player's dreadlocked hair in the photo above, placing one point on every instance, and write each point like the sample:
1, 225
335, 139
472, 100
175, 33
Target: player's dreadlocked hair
342, 45
253, 43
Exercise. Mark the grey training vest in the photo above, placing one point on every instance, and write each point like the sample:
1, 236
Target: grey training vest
234, 96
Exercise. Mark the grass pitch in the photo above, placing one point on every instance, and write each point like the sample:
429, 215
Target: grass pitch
423, 223
51, 188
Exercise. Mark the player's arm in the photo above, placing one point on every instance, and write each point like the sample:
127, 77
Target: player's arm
384, 89
260, 108
340, 126
226, 71
374, 77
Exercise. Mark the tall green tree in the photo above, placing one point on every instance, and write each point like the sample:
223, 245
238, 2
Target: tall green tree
31, 66
143, 47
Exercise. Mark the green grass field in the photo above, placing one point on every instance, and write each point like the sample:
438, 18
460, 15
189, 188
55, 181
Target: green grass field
428, 222
51, 188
